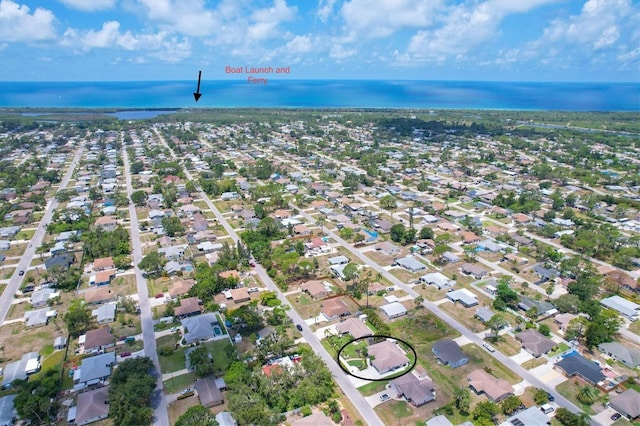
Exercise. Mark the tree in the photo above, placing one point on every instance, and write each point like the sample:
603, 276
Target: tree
495, 324
172, 225
587, 395
132, 384
138, 197
197, 416
426, 233
567, 418
540, 396
462, 397
34, 399
350, 271
544, 329
397, 232
78, 318
136, 167
152, 263
602, 328
506, 297
510, 404
388, 202
485, 410
346, 233
568, 303
201, 362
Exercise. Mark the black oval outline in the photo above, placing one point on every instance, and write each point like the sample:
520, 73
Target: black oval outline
415, 357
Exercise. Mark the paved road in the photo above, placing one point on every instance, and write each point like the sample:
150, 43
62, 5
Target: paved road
36, 241
159, 402
360, 403
515, 367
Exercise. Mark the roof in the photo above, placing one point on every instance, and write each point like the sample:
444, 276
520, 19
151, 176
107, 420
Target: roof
464, 296
533, 341
105, 313
92, 404
38, 316
187, 306
532, 416
314, 288
208, 392
240, 294
495, 389
334, 307
225, 419
628, 356
95, 367
627, 402
315, 419
98, 294
8, 411
411, 264
471, 269
98, 337
448, 351
17, 370
387, 356
624, 306
438, 279
440, 420
336, 260
394, 309
103, 263
575, 363
484, 313
354, 327
418, 391
199, 327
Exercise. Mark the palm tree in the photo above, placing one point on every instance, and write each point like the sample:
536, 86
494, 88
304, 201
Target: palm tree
587, 395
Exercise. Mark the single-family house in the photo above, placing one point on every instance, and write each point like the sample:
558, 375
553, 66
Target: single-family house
338, 260
394, 310
240, 295
97, 295
387, 248
417, 392
473, 270
490, 246
41, 297
449, 353
103, 264
574, 364
316, 289
38, 317
202, 328
627, 403
534, 342
495, 389
60, 343
411, 264
532, 416
623, 306
228, 196
106, 223
450, 257
94, 370
62, 261
102, 278
335, 308
92, 406
543, 309
106, 313
8, 412
387, 357
316, 419
628, 356
464, 296
484, 314
208, 392
355, 327
28, 364
563, 320
180, 288
438, 280
97, 339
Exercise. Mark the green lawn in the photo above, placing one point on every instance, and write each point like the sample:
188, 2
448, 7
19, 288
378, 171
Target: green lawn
176, 384
372, 388
173, 361
634, 327
53, 361
391, 411
358, 363
354, 350
559, 349
221, 351
570, 389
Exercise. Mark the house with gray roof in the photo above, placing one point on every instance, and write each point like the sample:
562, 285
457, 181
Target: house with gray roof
623, 306
92, 406
93, 370
202, 328
411, 264
449, 353
627, 403
574, 364
106, 313
8, 412
338, 260
417, 392
490, 246
29, 363
464, 296
484, 313
543, 308
387, 356
438, 280
39, 317
394, 310
532, 416
628, 356
534, 342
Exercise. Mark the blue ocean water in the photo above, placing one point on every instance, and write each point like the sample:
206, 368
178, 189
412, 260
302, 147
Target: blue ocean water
326, 94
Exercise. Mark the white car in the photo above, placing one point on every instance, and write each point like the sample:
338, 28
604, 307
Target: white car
489, 347
384, 397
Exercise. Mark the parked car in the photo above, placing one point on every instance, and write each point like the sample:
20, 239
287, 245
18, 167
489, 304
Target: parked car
159, 295
185, 393
125, 354
21, 273
384, 397
489, 347
299, 327
616, 416
550, 397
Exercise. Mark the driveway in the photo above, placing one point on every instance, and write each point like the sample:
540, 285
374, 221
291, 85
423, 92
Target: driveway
374, 399
604, 418
522, 357
548, 375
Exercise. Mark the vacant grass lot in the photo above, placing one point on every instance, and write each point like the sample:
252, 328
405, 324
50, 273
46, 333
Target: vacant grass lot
177, 383
170, 359
464, 315
570, 389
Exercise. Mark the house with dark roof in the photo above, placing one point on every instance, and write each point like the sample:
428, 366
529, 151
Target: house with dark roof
449, 353
62, 260
188, 306
627, 403
417, 392
575, 364
208, 392
543, 309
98, 339
475, 271
534, 342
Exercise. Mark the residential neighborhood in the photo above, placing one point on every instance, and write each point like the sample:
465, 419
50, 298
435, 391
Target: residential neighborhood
325, 267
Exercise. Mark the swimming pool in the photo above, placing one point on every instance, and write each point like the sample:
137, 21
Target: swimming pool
217, 330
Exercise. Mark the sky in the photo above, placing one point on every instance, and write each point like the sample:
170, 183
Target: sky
472, 40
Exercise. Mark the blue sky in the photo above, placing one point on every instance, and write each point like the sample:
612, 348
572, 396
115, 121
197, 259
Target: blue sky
505, 40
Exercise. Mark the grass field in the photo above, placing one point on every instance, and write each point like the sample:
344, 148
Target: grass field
570, 388
178, 383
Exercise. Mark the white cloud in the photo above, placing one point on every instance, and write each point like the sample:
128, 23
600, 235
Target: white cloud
266, 21
604, 29
89, 5
299, 44
158, 45
466, 26
325, 8
338, 51
17, 24
379, 18
188, 17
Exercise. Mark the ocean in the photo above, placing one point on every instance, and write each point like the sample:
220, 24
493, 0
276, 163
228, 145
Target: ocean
326, 94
